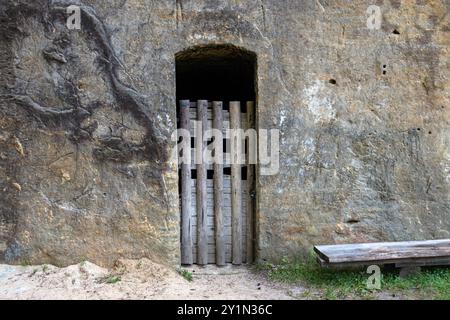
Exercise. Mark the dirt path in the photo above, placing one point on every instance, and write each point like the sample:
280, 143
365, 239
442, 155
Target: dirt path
139, 279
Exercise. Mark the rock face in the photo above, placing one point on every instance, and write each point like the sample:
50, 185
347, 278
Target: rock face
86, 118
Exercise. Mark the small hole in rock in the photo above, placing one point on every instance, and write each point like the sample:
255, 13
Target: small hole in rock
429, 132
395, 31
418, 129
384, 72
332, 81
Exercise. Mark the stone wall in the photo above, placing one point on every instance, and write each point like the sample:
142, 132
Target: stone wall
86, 118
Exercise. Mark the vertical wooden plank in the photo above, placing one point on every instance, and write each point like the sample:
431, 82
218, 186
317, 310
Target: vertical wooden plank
218, 189
202, 223
186, 226
236, 197
250, 186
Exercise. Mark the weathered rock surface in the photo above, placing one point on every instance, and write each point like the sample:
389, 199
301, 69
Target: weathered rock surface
86, 117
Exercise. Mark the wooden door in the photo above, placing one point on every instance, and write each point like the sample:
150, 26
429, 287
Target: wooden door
217, 203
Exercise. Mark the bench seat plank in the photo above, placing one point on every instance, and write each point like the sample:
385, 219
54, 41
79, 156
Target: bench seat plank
384, 252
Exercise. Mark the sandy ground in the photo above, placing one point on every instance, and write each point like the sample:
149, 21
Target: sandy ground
139, 279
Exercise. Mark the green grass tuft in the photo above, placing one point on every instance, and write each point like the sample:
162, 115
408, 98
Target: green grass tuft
25, 263
185, 274
112, 279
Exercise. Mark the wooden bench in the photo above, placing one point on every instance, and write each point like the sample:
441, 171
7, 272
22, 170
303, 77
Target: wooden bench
405, 255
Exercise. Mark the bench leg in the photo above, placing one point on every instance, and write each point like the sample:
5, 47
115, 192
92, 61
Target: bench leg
406, 272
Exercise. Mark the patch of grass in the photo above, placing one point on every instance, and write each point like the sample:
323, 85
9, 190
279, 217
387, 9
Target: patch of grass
185, 274
111, 279
44, 268
25, 263
433, 283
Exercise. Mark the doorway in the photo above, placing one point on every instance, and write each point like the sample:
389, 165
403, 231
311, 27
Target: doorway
216, 85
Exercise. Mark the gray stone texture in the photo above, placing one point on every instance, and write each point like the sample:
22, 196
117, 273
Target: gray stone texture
86, 118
